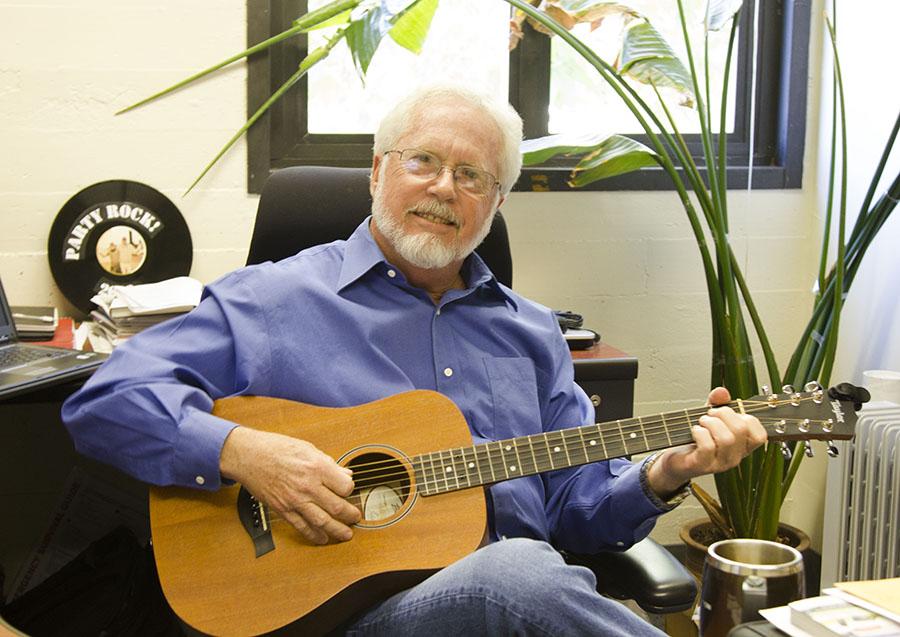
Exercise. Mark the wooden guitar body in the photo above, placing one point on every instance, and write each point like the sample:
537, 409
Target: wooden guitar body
209, 568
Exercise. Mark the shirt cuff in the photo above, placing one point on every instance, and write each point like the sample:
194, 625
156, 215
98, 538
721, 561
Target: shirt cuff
659, 503
200, 439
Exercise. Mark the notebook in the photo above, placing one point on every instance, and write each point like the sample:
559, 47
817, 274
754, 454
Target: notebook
25, 367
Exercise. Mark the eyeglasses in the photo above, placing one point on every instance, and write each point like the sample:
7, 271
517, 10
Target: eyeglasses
423, 164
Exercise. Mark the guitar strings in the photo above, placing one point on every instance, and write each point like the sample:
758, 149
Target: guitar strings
750, 407
571, 444
470, 454
371, 478
393, 469
379, 476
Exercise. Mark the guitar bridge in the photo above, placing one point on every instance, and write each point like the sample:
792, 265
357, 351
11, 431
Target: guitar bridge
255, 520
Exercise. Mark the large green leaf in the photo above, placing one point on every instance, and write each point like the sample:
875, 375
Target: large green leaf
571, 12
648, 58
537, 151
365, 34
615, 156
605, 155
411, 26
719, 12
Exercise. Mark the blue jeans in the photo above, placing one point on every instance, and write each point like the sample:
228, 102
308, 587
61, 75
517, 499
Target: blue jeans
511, 587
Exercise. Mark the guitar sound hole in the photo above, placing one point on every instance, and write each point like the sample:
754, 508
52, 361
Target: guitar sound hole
382, 485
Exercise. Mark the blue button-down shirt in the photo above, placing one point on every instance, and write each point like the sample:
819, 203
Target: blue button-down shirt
337, 325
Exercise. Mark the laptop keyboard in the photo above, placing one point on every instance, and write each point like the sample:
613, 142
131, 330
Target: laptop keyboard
16, 356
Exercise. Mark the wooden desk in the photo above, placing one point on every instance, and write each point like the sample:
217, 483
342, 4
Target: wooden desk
607, 375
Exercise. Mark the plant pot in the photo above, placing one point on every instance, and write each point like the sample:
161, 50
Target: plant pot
698, 534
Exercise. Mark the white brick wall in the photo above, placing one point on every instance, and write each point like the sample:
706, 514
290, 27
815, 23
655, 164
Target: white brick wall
626, 261
65, 68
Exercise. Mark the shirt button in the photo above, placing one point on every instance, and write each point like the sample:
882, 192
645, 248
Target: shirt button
620, 543
200, 480
391, 273
448, 372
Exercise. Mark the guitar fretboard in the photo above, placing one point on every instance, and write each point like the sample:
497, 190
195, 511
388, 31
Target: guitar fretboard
464, 467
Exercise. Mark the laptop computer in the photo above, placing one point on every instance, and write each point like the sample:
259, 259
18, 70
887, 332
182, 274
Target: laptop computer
26, 367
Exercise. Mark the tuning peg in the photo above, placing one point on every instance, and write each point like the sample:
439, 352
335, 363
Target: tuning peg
786, 451
792, 394
815, 389
808, 449
831, 448
771, 399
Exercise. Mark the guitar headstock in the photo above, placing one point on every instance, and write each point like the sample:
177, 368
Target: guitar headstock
813, 414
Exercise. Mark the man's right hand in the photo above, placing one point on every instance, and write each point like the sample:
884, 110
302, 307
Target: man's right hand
292, 477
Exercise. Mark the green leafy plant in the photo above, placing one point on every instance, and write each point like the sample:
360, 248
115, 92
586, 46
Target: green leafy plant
751, 495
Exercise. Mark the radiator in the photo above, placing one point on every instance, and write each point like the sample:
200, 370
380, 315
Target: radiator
861, 538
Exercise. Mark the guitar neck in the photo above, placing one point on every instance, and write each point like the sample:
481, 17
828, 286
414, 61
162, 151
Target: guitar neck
454, 469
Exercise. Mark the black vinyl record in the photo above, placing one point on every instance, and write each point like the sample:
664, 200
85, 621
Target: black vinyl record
115, 233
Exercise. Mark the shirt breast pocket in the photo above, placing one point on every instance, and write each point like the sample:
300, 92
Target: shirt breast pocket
516, 409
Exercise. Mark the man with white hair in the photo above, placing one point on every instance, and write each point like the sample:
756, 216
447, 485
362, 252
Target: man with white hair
422, 311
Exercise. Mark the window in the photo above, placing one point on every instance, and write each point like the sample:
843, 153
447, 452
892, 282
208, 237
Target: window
328, 117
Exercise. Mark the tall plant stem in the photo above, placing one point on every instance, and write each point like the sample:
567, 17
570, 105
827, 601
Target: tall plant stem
791, 473
732, 494
722, 165
759, 328
687, 161
873, 185
706, 77
765, 522
831, 340
702, 114
743, 380
829, 206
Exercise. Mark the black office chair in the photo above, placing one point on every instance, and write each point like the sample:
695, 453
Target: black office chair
306, 206
309, 205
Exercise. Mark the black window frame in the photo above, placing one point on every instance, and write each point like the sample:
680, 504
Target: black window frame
280, 140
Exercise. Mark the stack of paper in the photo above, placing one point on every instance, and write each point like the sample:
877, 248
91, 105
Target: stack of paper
830, 616
852, 609
125, 310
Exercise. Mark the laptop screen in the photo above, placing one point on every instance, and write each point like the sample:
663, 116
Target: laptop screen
7, 327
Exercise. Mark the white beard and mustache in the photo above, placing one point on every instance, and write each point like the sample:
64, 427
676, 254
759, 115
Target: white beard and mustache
424, 249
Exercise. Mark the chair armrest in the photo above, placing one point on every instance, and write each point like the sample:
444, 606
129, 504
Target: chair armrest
646, 573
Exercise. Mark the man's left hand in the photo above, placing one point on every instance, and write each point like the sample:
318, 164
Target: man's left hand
722, 438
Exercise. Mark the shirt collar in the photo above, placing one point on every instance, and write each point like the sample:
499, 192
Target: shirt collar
362, 254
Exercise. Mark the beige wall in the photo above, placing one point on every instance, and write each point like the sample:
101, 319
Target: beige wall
626, 261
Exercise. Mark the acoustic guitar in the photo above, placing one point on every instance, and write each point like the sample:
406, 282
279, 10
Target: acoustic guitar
229, 566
